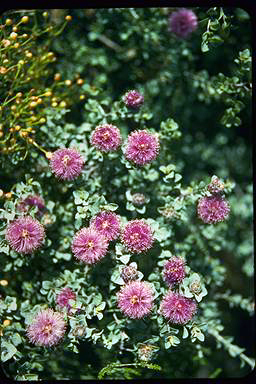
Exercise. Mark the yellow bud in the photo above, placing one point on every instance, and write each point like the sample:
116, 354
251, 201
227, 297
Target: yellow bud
15, 29
45, 14
33, 118
19, 94
21, 62
12, 129
1, 194
8, 21
57, 76
29, 55
33, 104
8, 195
6, 322
30, 140
3, 70
13, 36
42, 120
16, 45
23, 133
48, 155
54, 104
17, 127
80, 81
68, 82
82, 97
13, 107
68, 18
5, 61
25, 35
48, 93
63, 104
25, 19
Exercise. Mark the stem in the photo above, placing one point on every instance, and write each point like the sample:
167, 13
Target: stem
40, 148
221, 339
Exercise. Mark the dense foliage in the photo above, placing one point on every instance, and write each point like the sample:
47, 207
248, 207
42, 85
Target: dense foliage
64, 73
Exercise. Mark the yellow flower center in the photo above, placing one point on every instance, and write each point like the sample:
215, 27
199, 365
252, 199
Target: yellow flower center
135, 236
106, 135
90, 244
105, 224
134, 300
24, 233
66, 160
47, 329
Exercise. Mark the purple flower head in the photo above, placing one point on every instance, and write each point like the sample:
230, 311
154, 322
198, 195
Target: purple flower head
213, 209
129, 273
25, 234
216, 185
106, 138
89, 245
174, 270
142, 147
137, 236
183, 22
135, 299
177, 308
108, 224
47, 328
32, 201
133, 99
64, 296
66, 163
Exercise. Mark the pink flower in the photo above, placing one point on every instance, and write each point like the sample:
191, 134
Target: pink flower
183, 22
216, 185
137, 236
64, 296
106, 138
133, 99
32, 201
129, 273
89, 245
177, 308
213, 209
66, 163
135, 299
142, 147
47, 328
108, 224
174, 270
25, 234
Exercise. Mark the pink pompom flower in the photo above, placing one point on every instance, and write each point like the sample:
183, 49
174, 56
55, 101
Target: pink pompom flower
25, 234
32, 201
89, 245
133, 99
108, 224
106, 138
142, 147
174, 270
213, 209
137, 236
64, 296
66, 163
183, 22
135, 299
177, 308
47, 328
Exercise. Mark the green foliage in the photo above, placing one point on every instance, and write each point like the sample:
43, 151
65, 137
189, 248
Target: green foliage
197, 100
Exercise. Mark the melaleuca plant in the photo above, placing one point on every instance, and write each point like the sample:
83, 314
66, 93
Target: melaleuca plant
126, 203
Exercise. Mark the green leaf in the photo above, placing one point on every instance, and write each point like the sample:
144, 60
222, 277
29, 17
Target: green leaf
8, 350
